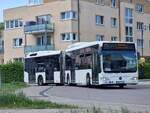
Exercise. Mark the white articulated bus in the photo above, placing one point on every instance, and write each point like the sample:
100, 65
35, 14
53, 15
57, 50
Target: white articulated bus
101, 63
43, 67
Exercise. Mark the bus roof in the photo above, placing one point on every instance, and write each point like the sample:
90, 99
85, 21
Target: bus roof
81, 45
42, 53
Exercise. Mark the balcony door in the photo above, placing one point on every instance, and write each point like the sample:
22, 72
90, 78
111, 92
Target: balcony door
41, 40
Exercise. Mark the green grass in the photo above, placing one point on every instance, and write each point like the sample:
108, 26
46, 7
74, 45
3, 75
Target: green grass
9, 99
11, 87
21, 101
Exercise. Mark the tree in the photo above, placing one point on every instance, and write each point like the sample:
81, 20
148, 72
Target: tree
1, 26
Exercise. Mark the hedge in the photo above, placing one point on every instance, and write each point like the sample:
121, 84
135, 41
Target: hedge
12, 72
146, 71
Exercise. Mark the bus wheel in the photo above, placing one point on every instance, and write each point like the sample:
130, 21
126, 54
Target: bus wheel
121, 86
40, 81
88, 83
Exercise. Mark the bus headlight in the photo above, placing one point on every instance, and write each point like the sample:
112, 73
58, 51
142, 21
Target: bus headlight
134, 78
105, 78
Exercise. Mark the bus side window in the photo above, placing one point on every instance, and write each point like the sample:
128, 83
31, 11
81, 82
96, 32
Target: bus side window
41, 68
88, 61
77, 62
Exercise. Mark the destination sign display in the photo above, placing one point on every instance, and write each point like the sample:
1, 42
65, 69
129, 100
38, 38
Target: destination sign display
118, 46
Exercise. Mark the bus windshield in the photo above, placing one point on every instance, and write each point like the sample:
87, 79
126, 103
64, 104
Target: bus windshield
119, 61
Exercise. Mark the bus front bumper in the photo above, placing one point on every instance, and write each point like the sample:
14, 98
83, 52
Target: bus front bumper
126, 81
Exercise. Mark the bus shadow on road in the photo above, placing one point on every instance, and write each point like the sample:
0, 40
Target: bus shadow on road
136, 87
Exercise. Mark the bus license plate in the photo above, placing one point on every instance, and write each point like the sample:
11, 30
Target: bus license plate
119, 82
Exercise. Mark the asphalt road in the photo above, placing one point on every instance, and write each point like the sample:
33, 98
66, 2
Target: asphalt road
135, 98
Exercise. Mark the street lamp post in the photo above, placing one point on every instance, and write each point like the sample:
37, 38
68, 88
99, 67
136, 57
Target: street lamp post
142, 60
142, 37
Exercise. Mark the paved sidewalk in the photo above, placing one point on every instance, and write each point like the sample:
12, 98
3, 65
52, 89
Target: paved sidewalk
144, 82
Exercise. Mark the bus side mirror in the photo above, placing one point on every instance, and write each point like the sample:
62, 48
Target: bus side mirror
55, 69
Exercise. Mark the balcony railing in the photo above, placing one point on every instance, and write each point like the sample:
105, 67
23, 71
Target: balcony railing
39, 28
38, 48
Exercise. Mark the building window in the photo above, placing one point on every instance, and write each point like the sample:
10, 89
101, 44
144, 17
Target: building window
129, 24
18, 59
113, 22
13, 23
16, 23
140, 25
100, 2
20, 23
99, 37
68, 15
128, 16
17, 42
35, 2
129, 34
140, 43
113, 38
69, 36
99, 20
7, 24
44, 19
130, 1
139, 8
149, 27
113, 3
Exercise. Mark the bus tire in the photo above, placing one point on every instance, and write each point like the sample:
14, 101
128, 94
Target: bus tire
121, 86
88, 81
40, 81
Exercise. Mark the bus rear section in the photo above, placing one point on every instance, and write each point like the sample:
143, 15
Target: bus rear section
101, 63
43, 68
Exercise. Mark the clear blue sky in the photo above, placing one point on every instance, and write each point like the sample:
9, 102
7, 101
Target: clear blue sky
5, 4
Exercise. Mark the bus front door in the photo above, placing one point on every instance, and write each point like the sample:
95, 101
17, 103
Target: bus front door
95, 69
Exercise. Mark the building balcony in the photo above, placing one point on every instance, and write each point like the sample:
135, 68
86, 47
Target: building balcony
36, 48
39, 28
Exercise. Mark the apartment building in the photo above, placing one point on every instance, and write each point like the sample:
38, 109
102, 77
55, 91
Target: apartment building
55, 24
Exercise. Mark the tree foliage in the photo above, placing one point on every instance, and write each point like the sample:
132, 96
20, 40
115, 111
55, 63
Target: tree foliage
1, 26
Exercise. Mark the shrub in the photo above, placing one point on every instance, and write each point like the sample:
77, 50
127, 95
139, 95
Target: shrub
146, 71
12, 72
